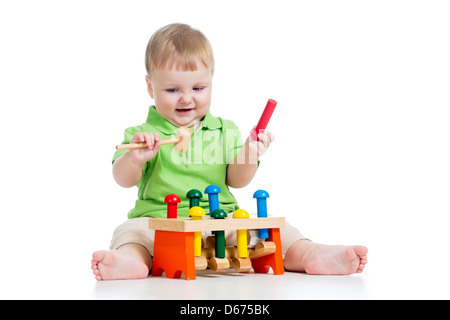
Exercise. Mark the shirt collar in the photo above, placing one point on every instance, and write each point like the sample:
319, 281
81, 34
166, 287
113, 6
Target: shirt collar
210, 122
157, 121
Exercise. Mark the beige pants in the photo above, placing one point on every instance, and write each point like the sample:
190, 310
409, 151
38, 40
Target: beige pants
137, 231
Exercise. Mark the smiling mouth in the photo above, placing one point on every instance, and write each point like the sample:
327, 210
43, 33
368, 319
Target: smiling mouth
183, 111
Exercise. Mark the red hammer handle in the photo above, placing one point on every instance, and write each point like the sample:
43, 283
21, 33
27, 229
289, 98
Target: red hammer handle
265, 117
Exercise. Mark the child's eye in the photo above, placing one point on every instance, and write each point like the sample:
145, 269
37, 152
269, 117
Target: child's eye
171, 90
198, 88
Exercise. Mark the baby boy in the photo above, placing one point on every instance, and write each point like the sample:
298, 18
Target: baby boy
180, 66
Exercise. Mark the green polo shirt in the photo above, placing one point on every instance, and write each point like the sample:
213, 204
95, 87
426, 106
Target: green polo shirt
214, 144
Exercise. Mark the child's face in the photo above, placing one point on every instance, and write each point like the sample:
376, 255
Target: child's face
181, 97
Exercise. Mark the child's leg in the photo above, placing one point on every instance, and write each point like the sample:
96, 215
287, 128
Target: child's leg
312, 258
131, 252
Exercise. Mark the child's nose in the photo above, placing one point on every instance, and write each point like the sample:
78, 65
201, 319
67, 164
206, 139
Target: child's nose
186, 99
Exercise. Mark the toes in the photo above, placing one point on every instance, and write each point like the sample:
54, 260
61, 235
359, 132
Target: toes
361, 267
97, 274
98, 256
361, 251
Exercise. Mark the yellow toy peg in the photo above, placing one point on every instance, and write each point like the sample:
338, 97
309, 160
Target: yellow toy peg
241, 234
197, 213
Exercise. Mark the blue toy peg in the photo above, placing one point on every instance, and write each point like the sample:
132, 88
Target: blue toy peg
261, 203
213, 197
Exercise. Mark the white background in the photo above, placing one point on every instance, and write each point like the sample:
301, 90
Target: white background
362, 128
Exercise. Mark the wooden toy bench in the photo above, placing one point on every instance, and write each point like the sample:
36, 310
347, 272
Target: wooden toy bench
174, 246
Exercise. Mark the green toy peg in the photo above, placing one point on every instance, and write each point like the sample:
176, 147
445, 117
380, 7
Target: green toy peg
219, 235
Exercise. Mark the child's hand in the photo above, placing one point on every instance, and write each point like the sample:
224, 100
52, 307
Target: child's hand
258, 148
145, 154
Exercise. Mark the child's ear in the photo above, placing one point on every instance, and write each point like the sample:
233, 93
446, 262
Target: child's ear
149, 86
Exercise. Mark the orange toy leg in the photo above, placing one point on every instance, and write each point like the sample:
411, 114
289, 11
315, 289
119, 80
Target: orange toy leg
173, 253
274, 260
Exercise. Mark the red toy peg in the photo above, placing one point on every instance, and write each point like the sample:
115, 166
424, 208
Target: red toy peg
264, 120
172, 200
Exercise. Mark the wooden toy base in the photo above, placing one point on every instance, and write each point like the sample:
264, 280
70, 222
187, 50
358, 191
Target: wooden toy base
262, 264
174, 255
173, 251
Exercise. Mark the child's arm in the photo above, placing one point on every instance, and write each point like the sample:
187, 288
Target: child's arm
127, 169
243, 168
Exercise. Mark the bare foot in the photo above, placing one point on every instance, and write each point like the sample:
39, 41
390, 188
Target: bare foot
337, 260
118, 265
312, 258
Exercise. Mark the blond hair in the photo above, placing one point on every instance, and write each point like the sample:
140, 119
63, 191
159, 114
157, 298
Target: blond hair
180, 46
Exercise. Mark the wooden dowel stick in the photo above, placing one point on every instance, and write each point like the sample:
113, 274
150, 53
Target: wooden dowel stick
131, 146
169, 141
143, 145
